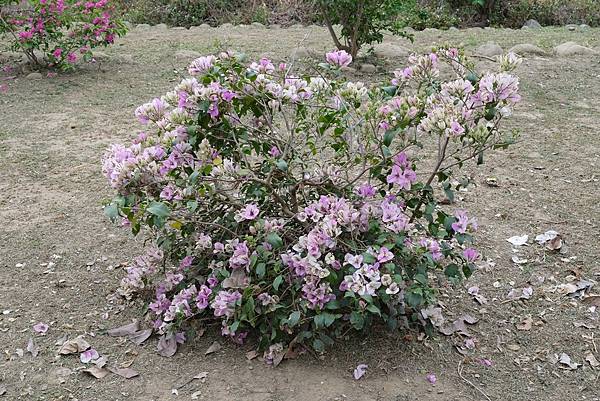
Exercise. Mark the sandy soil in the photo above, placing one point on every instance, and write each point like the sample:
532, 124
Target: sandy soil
53, 132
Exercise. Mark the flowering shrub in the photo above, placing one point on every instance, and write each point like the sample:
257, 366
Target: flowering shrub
292, 207
63, 30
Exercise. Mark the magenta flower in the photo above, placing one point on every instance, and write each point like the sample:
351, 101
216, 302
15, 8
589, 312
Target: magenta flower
250, 212
470, 254
71, 57
339, 58
25, 35
274, 152
41, 328
431, 378
89, 355
57, 52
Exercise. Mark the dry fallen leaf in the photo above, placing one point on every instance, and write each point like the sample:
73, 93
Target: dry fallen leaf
213, 348
592, 359
584, 325
545, 237
565, 361
32, 348
2, 390
525, 324
519, 261
196, 395
96, 371
555, 244
518, 240
592, 300
140, 336
250, 355
126, 330
167, 346
75, 346
127, 373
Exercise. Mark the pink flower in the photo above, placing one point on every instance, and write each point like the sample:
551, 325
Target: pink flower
57, 52
360, 371
3, 88
71, 57
339, 58
25, 35
89, 355
250, 212
431, 378
41, 328
470, 254
274, 152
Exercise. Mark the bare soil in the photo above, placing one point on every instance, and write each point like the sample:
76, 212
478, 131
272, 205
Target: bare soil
53, 132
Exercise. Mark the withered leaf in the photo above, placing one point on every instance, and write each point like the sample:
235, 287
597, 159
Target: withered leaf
525, 324
32, 348
75, 346
127, 373
2, 390
96, 371
167, 346
592, 359
126, 330
140, 336
592, 300
213, 348
250, 355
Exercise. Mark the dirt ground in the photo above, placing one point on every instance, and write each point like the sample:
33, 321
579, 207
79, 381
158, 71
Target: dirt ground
60, 257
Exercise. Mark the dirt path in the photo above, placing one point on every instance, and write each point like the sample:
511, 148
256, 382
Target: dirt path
59, 257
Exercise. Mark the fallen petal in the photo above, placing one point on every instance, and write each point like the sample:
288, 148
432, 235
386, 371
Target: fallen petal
41, 328
360, 371
431, 378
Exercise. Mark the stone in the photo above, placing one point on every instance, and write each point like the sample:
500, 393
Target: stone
161, 26
187, 55
390, 51
142, 27
258, 25
569, 49
526, 49
490, 49
531, 24
205, 26
34, 76
226, 25
303, 52
584, 27
453, 28
368, 68
571, 27
179, 28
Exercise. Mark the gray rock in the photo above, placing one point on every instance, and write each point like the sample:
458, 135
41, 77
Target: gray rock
179, 28
569, 49
161, 26
584, 27
258, 25
453, 28
368, 68
34, 76
349, 70
571, 27
303, 52
526, 49
532, 24
205, 26
142, 27
390, 51
490, 49
187, 55
226, 25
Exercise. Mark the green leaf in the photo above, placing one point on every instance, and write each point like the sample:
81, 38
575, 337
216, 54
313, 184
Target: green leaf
293, 319
389, 136
158, 209
277, 282
318, 345
282, 165
357, 320
275, 240
452, 271
261, 269
112, 212
374, 309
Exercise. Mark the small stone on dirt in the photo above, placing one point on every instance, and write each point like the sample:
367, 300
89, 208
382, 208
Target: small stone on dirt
531, 24
525, 49
34, 76
160, 26
187, 55
390, 51
490, 49
569, 49
303, 52
142, 27
368, 68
